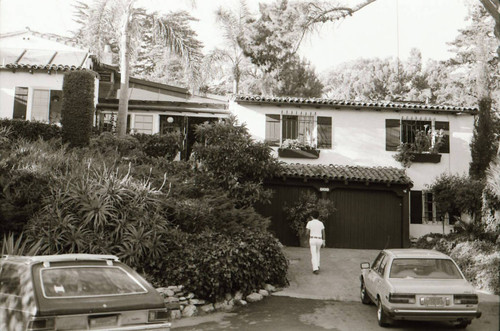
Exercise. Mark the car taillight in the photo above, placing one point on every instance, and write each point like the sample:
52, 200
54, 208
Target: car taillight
41, 323
158, 315
465, 299
401, 298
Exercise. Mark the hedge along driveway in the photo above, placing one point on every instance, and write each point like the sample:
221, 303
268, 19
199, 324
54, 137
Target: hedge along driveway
339, 275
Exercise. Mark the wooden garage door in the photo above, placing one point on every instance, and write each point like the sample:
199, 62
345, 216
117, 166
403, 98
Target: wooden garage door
364, 219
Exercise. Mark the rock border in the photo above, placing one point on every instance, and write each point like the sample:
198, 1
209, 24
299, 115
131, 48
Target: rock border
181, 304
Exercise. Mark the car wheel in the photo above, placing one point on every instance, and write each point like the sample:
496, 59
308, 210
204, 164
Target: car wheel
365, 299
462, 325
382, 318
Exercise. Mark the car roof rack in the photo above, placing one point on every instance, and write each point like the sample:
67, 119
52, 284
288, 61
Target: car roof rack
60, 258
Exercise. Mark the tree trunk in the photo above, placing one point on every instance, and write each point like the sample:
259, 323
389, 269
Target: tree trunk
121, 122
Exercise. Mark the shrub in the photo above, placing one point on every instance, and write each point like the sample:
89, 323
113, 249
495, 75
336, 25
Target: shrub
108, 143
30, 130
166, 145
211, 264
78, 107
298, 212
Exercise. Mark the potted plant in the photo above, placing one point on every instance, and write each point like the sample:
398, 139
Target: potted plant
297, 213
297, 149
425, 148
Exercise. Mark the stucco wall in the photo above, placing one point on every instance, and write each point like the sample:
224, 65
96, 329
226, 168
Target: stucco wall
37, 80
358, 138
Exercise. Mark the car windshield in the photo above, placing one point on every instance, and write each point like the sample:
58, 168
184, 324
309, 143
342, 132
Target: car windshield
424, 268
88, 281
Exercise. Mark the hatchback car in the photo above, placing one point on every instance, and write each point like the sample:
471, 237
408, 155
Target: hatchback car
418, 284
76, 292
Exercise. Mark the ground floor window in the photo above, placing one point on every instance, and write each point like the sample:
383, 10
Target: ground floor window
424, 210
143, 124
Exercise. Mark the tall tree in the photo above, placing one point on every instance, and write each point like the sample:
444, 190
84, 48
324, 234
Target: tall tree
122, 22
298, 78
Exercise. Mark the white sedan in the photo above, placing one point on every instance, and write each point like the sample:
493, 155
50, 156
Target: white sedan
418, 285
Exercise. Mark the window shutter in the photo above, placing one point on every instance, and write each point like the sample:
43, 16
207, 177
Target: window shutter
445, 126
416, 207
273, 130
392, 134
324, 132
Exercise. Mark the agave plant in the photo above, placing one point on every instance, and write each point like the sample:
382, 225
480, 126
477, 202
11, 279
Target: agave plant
12, 246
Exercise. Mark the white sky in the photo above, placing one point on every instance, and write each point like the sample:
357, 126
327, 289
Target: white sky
372, 32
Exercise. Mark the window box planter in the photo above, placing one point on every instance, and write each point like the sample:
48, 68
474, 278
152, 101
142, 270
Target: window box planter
426, 158
298, 153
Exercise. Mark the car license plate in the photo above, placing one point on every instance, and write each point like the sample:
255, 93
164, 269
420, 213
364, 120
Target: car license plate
434, 301
102, 321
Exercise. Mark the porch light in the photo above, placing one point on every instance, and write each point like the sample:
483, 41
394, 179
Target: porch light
170, 119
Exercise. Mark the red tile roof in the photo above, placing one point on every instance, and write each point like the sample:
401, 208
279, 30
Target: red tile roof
313, 102
385, 175
51, 67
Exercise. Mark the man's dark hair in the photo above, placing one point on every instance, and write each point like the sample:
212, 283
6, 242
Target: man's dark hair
315, 214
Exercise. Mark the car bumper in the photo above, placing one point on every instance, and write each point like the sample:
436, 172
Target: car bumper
150, 327
432, 314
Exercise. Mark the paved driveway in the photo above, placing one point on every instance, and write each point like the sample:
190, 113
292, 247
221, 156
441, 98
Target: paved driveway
339, 276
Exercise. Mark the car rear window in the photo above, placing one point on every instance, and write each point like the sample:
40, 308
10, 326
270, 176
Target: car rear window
424, 268
85, 281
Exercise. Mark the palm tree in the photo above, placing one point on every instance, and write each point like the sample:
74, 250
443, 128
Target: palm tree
121, 24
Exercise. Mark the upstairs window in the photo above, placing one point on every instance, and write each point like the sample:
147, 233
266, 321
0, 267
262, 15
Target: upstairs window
404, 131
307, 129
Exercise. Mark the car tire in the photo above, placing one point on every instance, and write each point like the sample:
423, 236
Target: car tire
365, 299
462, 325
382, 318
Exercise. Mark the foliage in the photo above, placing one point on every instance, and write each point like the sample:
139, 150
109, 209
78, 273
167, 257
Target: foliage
166, 145
425, 142
214, 264
459, 81
78, 107
298, 78
30, 130
296, 144
13, 246
485, 141
118, 21
21, 192
228, 152
491, 197
108, 143
478, 259
298, 212
455, 194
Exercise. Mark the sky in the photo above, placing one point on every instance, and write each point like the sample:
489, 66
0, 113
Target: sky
385, 28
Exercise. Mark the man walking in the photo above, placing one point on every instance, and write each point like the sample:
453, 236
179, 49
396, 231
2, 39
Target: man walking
316, 231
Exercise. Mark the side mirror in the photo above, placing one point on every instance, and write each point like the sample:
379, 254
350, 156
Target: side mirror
365, 265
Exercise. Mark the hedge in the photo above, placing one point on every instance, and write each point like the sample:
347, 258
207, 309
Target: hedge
78, 107
31, 130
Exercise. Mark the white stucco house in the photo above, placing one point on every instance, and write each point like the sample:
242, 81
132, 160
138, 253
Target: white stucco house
32, 67
365, 136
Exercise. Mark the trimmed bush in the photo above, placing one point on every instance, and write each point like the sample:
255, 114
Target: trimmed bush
106, 143
78, 107
30, 130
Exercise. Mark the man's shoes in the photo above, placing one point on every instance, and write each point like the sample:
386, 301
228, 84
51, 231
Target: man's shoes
316, 272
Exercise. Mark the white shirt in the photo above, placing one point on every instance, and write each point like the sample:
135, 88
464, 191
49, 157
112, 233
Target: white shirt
315, 226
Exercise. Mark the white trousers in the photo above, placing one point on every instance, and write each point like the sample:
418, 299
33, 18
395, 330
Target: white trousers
315, 245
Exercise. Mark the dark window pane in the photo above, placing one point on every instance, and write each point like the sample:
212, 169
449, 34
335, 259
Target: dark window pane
445, 126
410, 129
416, 207
392, 130
20, 103
273, 129
290, 127
324, 132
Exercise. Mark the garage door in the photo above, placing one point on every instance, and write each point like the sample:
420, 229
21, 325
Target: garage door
364, 219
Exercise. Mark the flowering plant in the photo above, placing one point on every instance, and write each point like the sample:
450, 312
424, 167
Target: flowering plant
296, 144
